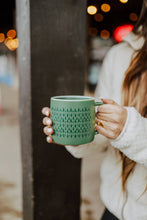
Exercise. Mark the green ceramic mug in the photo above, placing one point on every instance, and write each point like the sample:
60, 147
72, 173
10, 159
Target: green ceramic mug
73, 119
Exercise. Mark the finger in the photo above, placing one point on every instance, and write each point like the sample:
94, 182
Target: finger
48, 130
108, 101
100, 127
103, 116
46, 111
106, 117
107, 126
102, 131
109, 130
47, 121
108, 109
49, 139
100, 123
97, 120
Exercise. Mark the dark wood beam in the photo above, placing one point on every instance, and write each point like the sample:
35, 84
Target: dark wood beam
52, 61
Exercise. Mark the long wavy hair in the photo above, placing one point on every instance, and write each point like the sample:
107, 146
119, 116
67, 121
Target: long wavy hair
134, 89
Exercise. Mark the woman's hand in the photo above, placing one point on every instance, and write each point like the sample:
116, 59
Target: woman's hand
110, 119
48, 122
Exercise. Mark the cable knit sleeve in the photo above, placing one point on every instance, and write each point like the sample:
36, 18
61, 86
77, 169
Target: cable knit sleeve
133, 139
103, 89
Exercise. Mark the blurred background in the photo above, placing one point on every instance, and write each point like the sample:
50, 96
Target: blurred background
108, 22
10, 161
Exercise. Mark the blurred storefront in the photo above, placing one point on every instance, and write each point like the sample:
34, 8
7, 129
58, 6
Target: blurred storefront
108, 23
8, 45
10, 161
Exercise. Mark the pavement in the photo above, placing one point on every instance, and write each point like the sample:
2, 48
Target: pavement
91, 208
10, 166
10, 161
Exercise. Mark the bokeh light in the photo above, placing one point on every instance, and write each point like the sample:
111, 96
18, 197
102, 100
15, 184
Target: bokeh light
133, 16
11, 43
92, 9
6, 40
98, 17
123, 1
105, 7
2, 37
11, 33
121, 31
92, 31
105, 34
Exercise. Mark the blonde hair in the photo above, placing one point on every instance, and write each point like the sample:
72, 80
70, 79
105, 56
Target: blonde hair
134, 93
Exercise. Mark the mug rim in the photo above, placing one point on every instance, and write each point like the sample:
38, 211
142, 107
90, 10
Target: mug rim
85, 98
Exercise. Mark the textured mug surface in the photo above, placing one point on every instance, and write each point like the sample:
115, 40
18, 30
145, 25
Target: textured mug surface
73, 119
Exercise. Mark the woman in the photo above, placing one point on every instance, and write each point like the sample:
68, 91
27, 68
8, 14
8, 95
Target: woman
122, 123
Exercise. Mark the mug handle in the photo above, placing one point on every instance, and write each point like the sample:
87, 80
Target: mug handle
98, 104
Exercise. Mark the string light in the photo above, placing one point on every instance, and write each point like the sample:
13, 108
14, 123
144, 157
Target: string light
105, 34
133, 16
92, 9
123, 1
105, 7
11, 33
98, 17
12, 44
6, 40
2, 37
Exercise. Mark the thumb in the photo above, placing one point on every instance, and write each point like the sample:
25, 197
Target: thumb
109, 101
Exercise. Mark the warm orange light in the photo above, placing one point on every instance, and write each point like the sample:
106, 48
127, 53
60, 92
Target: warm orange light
92, 31
123, 1
133, 16
11, 33
12, 44
2, 37
105, 34
6, 40
99, 17
92, 9
105, 7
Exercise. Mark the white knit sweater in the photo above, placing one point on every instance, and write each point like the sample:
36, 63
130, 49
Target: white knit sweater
132, 205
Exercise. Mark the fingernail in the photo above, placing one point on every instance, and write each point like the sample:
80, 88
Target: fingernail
48, 121
49, 139
46, 112
102, 98
49, 130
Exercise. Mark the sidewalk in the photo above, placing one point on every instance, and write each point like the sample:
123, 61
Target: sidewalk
10, 162
92, 207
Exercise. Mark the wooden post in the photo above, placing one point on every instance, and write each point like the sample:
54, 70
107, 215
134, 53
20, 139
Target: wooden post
52, 61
